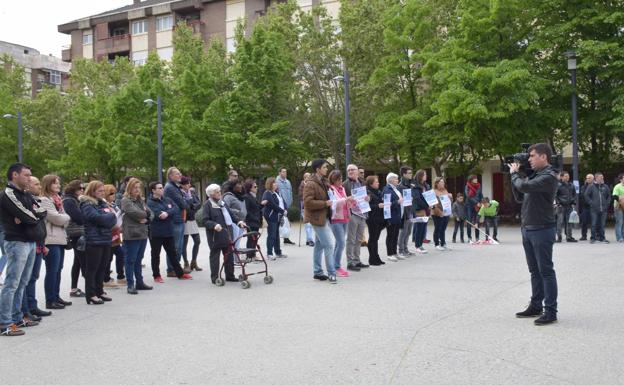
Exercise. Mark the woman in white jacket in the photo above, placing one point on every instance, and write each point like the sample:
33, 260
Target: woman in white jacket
56, 239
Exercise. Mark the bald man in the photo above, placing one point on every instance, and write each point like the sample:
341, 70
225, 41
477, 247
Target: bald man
585, 214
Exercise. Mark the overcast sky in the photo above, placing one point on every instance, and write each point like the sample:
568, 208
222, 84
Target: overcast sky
34, 23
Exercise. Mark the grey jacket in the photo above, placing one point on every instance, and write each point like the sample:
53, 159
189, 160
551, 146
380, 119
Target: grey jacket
236, 206
459, 210
598, 196
133, 212
537, 195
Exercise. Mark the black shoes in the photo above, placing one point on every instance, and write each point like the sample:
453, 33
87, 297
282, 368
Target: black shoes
143, 286
32, 317
132, 290
63, 302
546, 319
288, 241
231, 279
558, 240
321, 277
362, 265
571, 240
582, 238
530, 312
77, 293
40, 313
353, 267
376, 263
310, 243
94, 301
54, 306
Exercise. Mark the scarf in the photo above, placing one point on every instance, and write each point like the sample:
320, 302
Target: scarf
58, 203
473, 188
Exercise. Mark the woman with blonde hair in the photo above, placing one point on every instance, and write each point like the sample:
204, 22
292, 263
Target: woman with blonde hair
135, 233
56, 239
99, 220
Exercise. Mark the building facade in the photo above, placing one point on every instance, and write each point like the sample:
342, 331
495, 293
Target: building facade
147, 26
40, 70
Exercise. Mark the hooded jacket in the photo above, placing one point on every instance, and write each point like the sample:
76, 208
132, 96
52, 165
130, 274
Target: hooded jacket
537, 194
16, 203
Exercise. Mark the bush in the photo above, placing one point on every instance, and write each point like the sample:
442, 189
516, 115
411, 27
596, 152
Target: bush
294, 214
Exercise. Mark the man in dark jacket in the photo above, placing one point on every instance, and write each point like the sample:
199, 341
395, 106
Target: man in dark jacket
22, 220
408, 213
173, 191
598, 196
566, 200
161, 232
537, 195
585, 207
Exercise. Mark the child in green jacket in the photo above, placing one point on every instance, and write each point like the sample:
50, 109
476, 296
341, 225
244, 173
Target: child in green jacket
487, 214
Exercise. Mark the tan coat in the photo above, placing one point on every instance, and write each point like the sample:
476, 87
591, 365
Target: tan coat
315, 199
56, 222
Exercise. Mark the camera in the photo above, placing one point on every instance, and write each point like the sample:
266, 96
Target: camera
522, 158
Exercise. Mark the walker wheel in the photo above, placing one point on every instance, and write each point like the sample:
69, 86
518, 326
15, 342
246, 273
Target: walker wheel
268, 279
241, 278
219, 282
245, 284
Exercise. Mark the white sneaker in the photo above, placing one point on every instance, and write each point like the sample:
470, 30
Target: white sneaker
400, 257
440, 248
421, 250
392, 258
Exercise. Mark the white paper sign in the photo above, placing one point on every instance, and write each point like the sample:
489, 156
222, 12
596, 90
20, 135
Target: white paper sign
446, 205
334, 199
407, 197
387, 203
360, 197
431, 198
419, 220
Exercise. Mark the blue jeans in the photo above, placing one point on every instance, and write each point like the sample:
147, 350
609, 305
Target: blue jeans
538, 247
598, 221
134, 255
420, 229
619, 224
20, 258
29, 301
309, 233
273, 238
323, 243
178, 241
339, 230
471, 216
54, 266
3, 257
439, 230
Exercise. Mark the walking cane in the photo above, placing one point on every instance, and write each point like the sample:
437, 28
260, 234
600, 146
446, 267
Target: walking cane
484, 234
300, 222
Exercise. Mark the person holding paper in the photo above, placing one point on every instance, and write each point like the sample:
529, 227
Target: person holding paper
440, 217
340, 218
420, 206
487, 214
406, 185
396, 219
375, 220
357, 223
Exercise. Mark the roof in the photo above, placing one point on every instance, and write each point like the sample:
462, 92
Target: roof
131, 7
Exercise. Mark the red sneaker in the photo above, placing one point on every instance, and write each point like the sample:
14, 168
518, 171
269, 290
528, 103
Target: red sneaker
159, 280
186, 276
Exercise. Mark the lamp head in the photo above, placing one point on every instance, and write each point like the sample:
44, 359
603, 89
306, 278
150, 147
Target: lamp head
149, 102
8, 116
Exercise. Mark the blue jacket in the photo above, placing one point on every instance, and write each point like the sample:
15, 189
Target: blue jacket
160, 228
175, 193
271, 210
99, 221
284, 188
395, 207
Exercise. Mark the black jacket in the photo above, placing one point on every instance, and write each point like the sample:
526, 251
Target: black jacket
254, 211
537, 195
598, 196
376, 215
162, 228
16, 203
272, 212
71, 205
582, 202
213, 216
418, 200
566, 194
194, 205
99, 220
395, 206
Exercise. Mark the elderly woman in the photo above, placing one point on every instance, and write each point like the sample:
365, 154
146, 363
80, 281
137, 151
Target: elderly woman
395, 222
220, 224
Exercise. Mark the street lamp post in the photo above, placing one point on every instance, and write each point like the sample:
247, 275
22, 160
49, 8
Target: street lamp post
20, 135
159, 133
345, 79
571, 55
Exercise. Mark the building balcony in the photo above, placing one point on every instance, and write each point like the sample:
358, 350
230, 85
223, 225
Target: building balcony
66, 55
113, 44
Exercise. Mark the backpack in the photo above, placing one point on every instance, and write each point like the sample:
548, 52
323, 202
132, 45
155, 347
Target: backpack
199, 217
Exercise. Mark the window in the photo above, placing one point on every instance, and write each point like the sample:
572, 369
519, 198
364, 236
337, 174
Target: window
230, 45
87, 38
55, 77
139, 58
164, 23
139, 27
165, 53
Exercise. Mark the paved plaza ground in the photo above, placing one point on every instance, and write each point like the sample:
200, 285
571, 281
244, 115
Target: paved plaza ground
440, 318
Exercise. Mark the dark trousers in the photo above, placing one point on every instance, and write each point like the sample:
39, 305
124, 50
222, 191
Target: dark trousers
273, 238
598, 222
538, 247
54, 266
563, 221
215, 254
585, 218
252, 241
420, 229
472, 216
491, 222
78, 265
168, 243
439, 230
96, 263
459, 225
120, 262
196, 242
30, 297
374, 232
392, 238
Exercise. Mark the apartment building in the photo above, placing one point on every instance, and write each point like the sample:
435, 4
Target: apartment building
40, 70
145, 26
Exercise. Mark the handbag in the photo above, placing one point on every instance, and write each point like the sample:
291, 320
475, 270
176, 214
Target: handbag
81, 243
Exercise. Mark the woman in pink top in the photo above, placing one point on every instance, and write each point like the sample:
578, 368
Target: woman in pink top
339, 218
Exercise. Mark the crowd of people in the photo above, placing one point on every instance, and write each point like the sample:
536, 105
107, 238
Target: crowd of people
102, 224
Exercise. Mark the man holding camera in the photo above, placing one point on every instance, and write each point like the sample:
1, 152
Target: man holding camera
539, 224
